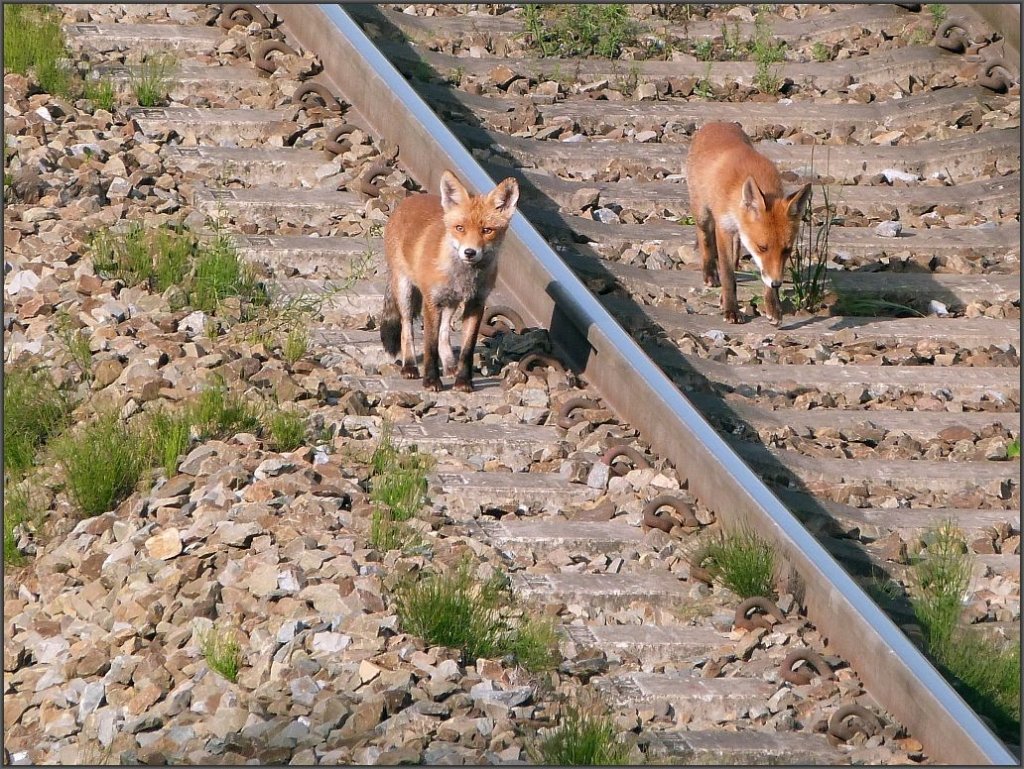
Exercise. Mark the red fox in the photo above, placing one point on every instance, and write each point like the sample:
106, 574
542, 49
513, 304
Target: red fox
736, 198
441, 253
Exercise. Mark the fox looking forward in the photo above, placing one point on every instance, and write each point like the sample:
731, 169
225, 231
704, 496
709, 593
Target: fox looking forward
441, 254
736, 199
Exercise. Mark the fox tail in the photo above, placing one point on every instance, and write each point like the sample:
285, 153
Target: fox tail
390, 323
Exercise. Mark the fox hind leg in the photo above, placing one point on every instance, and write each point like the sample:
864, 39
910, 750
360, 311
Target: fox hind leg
707, 246
390, 323
408, 301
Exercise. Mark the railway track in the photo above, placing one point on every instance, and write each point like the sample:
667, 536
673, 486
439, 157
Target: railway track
888, 427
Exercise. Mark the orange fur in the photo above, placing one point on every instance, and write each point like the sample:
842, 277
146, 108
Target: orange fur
441, 254
736, 199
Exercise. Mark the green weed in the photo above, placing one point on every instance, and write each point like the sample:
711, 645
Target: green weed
296, 344
742, 562
102, 93
398, 484
169, 435
149, 83
220, 273
221, 651
103, 461
582, 739
768, 51
1013, 449
34, 46
75, 342
218, 413
704, 89
578, 29
287, 430
34, 411
939, 12
704, 50
205, 272
452, 609
808, 273
18, 509
821, 52
871, 306
985, 672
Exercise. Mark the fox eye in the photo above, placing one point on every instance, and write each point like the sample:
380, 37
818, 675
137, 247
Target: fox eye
761, 247
459, 228
487, 230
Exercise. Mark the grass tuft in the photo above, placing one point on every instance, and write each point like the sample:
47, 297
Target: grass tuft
34, 46
453, 609
287, 430
102, 93
206, 273
398, 484
218, 413
742, 562
221, 651
220, 273
168, 437
103, 462
18, 509
34, 411
1013, 449
580, 29
807, 267
296, 345
150, 82
582, 739
984, 671
768, 51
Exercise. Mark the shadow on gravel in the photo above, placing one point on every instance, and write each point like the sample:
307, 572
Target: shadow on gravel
854, 554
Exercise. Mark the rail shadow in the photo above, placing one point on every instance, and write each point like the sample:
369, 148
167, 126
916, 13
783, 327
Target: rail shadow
852, 552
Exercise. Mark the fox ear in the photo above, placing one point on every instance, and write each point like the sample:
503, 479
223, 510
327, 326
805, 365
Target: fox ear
452, 191
751, 196
505, 196
796, 203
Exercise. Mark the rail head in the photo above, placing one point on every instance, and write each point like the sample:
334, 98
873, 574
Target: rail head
632, 384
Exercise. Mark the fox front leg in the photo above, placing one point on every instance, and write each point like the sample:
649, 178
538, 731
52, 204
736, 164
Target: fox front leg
444, 341
728, 249
471, 318
431, 329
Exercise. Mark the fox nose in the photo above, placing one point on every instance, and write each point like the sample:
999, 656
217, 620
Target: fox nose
776, 284
469, 253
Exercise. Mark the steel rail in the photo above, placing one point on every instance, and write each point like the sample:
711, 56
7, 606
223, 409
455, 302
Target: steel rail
893, 670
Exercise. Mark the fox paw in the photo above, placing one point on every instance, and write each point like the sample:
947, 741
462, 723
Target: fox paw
712, 281
410, 372
731, 316
463, 385
432, 383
